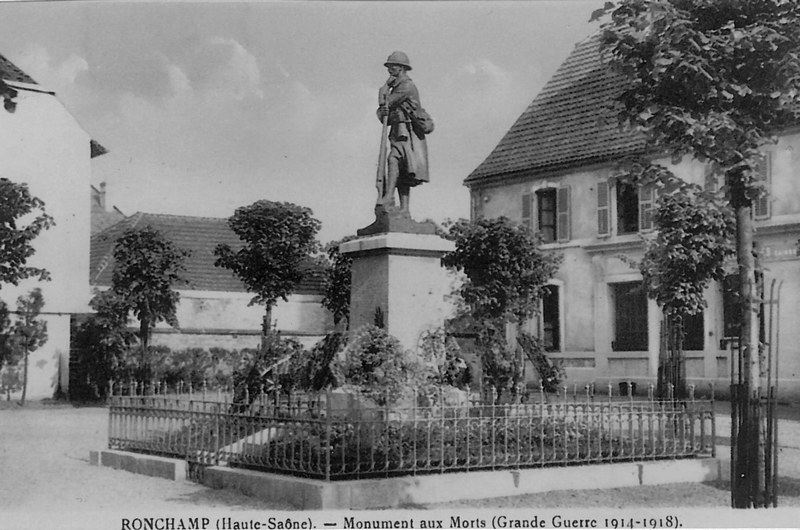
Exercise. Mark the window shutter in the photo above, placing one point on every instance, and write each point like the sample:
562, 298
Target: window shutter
562, 211
761, 206
603, 210
527, 214
646, 207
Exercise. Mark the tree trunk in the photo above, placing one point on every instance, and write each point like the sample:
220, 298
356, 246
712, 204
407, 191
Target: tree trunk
266, 326
24, 376
144, 340
748, 489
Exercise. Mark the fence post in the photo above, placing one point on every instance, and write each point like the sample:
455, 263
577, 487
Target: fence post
327, 433
713, 425
189, 435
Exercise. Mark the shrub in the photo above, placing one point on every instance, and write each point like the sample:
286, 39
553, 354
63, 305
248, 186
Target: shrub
551, 373
262, 370
319, 371
376, 364
442, 352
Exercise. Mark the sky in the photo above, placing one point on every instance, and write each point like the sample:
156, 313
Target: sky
209, 106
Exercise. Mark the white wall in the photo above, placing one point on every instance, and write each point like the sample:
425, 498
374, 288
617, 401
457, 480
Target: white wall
43, 146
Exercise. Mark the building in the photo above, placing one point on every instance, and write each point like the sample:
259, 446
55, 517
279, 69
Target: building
551, 172
43, 146
102, 217
214, 308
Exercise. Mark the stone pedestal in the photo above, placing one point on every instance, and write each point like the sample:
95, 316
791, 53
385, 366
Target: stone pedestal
399, 275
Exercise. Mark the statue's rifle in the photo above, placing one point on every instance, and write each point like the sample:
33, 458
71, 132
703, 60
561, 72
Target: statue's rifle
380, 178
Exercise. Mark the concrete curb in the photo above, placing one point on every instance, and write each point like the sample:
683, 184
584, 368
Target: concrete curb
152, 466
309, 494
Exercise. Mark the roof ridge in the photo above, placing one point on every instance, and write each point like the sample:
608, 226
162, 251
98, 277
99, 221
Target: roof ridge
170, 215
11, 72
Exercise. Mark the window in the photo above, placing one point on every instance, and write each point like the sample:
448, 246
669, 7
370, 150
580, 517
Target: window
627, 209
603, 210
551, 322
630, 317
761, 206
546, 214
693, 332
635, 208
527, 213
647, 207
551, 215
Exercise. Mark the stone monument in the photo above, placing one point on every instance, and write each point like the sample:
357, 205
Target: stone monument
397, 272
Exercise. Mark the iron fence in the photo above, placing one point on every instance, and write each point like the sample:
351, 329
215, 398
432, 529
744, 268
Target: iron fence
336, 436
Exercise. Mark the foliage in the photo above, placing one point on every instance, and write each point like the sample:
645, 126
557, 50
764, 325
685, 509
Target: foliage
319, 371
275, 364
506, 270
146, 267
499, 361
374, 362
711, 79
103, 344
278, 239
506, 276
28, 332
694, 238
716, 80
551, 373
337, 281
5, 325
444, 355
18, 207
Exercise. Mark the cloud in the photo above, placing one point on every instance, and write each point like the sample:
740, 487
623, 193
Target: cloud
223, 65
485, 73
49, 72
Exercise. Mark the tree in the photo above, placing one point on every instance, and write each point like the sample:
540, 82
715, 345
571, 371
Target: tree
146, 267
17, 207
103, 343
693, 239
337, 281
28, 333
715, 80
506, 275
279, 238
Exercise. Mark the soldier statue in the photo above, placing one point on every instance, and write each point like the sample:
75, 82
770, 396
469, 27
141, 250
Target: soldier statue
406, 163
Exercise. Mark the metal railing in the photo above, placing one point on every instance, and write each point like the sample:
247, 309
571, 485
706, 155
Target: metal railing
336, 436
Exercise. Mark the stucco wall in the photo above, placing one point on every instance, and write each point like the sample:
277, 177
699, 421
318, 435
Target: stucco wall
216, 319
591, 264
43, 146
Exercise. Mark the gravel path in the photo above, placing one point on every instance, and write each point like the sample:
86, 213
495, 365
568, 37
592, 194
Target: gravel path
46, 480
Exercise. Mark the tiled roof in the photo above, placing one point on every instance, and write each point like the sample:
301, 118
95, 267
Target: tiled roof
10, 72
568, 124
199, 235
102, 220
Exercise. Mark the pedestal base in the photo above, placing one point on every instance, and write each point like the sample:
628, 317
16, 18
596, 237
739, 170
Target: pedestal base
400, 277
393, 219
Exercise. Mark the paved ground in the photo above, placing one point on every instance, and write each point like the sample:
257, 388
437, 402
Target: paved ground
47, 482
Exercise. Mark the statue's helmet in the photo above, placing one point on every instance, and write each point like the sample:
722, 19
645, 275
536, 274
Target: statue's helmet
398, 58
